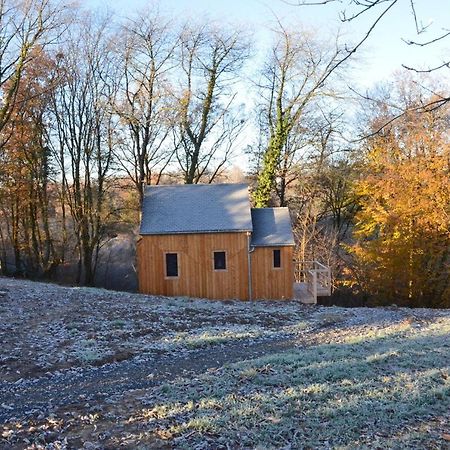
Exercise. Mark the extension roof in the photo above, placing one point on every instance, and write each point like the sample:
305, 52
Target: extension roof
271, 227
196, 208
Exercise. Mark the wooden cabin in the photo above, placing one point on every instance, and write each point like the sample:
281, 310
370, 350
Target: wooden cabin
206, 241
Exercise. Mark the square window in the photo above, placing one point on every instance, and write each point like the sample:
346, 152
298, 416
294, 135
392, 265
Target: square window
171, 264
277, 259
220, 261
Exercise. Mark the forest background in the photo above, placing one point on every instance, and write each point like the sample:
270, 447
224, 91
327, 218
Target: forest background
96, 104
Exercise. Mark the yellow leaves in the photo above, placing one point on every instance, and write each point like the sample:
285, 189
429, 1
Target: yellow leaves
396, 234
403, 226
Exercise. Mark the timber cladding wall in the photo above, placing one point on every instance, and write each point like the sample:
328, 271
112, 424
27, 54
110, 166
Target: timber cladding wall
196, 274
269, 282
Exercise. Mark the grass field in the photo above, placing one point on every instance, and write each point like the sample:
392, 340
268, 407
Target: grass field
388, 389
86, 368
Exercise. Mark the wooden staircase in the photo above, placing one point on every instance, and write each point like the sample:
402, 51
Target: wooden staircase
312, 280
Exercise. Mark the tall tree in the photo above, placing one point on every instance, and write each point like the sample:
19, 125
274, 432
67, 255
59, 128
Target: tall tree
23, 25
142, 102
403, 228
210, 58
84, 135
295, 79
25, 187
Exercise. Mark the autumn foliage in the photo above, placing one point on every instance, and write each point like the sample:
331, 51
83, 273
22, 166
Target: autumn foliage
25, 178
402, 253
94, 107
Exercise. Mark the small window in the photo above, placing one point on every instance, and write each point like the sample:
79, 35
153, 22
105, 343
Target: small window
277, 259
220, 261
171, 264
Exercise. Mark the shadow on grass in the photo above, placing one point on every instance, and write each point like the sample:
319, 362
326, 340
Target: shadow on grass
382, 389
329, 395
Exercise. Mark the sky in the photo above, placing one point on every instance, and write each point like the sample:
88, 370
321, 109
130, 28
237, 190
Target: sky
380, 56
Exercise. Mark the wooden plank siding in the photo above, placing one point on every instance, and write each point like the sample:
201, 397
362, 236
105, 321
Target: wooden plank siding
197, 277
269, 282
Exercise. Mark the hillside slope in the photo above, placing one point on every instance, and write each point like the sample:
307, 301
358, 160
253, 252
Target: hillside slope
101, 369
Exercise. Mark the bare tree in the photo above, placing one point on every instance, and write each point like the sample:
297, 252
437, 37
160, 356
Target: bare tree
142, 102
294, 81
308, 147
377, 11
210, 59
84, 139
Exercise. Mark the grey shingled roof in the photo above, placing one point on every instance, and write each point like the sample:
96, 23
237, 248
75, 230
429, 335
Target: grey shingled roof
271, 227
196, 208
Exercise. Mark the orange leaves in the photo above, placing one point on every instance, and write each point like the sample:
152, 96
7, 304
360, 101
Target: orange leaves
403, 227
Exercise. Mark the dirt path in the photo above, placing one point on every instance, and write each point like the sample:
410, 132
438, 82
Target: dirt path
42, 396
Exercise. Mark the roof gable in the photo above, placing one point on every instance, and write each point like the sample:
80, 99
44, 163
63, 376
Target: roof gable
196, 208
271, 227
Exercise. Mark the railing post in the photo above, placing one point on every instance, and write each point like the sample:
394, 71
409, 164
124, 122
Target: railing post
314, 282
329, 281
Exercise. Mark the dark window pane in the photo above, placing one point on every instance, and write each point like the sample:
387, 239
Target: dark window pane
220, 262
171, 264
276, 258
